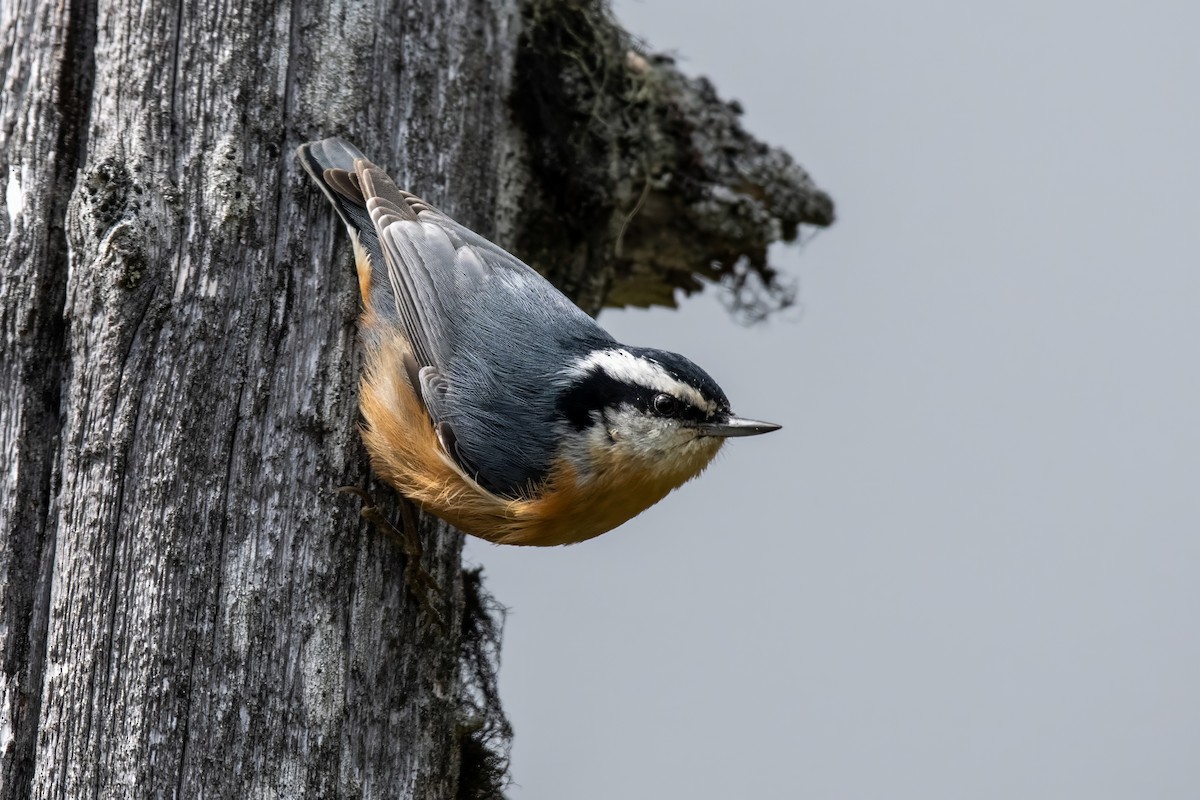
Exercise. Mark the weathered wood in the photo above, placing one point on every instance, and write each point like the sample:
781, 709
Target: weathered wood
43, 92
644, 182
218, 623
188, 607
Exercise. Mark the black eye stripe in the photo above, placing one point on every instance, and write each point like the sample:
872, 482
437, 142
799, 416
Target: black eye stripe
593, 392
649, 402
684, 371
598, 390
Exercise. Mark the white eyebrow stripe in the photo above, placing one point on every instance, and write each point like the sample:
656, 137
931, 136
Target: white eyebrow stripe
625, 366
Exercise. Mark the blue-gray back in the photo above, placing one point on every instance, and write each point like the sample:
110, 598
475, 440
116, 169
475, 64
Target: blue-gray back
491, 336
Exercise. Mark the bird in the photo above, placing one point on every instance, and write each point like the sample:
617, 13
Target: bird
491, 400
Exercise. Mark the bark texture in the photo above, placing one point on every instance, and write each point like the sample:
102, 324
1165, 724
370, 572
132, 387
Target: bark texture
644, 184
188, 607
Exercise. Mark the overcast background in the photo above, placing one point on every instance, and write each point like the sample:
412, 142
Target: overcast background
969, 565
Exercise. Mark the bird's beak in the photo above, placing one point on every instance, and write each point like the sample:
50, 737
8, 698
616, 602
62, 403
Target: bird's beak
736, 426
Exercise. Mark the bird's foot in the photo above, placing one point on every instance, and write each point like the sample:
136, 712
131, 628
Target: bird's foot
420, 584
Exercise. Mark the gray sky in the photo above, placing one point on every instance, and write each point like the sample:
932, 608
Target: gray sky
969, 566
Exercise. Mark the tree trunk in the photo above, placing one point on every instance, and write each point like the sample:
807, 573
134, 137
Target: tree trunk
188, 607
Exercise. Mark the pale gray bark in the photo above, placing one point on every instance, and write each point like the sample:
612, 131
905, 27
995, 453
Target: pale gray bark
188, 608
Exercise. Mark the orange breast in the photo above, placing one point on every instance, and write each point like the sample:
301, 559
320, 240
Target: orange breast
406, 453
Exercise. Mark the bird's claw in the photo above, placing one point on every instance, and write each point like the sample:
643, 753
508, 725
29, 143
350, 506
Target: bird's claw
420, 584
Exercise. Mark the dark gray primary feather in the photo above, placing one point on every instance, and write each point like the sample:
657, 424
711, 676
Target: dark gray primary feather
490, 333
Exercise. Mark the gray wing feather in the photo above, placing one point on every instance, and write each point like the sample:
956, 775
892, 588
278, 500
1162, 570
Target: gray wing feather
413, 253
494, 336
489, 335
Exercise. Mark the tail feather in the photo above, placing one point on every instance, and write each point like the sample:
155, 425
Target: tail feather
331, 164
334, 165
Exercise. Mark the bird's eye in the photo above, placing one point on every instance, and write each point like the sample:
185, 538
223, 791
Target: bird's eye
665, 405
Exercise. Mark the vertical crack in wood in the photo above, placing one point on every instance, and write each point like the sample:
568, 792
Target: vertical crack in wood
48, 138
176, 47
75, 97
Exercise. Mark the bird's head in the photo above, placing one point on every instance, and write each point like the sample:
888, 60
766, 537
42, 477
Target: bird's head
645, 410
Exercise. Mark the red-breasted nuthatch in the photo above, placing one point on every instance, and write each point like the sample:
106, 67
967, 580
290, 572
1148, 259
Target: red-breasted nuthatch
490, 399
